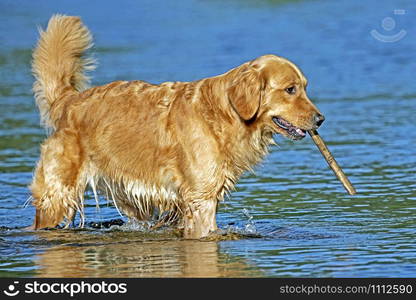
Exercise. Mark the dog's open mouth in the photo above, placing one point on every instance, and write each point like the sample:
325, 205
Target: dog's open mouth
292, 131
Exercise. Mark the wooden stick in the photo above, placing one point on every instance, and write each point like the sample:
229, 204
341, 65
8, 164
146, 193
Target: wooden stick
331, 161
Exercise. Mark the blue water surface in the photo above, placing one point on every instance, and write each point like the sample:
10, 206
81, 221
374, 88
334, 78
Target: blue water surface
297, 219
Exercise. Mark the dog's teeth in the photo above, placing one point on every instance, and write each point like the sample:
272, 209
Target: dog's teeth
300, 131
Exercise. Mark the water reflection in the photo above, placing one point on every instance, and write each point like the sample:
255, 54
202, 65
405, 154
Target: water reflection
159, 258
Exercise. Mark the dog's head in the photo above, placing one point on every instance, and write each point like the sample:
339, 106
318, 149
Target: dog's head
270, 91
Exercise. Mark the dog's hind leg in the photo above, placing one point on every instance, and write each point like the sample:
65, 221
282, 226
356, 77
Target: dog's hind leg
58, 186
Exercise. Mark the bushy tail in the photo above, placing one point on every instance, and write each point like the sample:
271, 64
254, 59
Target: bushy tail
59, 65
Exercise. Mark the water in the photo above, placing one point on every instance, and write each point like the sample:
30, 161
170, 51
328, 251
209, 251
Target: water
293, 217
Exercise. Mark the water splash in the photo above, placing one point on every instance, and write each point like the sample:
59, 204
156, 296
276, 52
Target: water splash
250, 227
121, 225
246, 230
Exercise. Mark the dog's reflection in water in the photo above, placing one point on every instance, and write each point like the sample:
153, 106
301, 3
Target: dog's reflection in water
169, 258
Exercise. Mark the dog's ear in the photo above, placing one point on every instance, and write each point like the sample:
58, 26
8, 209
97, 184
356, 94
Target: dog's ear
245, 92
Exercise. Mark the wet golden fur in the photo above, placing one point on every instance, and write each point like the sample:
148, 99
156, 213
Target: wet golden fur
174, 149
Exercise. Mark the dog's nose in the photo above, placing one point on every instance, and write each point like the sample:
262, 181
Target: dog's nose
319, 119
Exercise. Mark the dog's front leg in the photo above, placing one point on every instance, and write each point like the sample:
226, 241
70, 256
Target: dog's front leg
199, 219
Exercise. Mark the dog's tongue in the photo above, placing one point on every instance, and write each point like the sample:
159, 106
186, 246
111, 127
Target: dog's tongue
285, 123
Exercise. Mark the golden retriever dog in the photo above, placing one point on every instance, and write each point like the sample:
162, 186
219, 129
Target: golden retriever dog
172, 150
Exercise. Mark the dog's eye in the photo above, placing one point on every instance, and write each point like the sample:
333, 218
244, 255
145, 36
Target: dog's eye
291, 90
